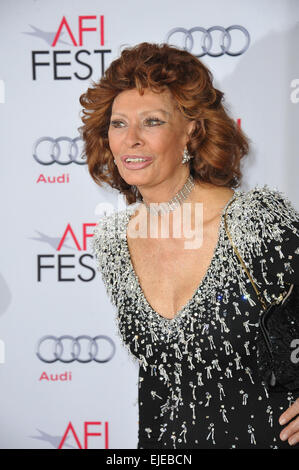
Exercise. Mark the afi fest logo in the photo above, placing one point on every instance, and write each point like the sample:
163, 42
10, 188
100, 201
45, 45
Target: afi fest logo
67, 64
103, 435
64, 266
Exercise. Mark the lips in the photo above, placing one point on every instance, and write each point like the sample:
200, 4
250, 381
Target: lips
136, 165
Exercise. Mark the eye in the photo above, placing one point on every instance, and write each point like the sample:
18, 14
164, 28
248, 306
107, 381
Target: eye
153, 121
116, 123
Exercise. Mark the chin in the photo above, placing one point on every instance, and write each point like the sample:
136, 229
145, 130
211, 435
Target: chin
135, 181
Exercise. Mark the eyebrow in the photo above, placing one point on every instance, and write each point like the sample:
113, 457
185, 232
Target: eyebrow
145, 112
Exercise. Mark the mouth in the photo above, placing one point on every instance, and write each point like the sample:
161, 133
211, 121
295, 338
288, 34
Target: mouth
136, 162
135, 158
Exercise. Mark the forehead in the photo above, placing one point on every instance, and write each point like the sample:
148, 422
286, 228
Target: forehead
131, 98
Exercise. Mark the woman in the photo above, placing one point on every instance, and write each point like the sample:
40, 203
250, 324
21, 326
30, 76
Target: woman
156, 129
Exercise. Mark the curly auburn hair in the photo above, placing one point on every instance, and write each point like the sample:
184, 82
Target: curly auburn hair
217, 143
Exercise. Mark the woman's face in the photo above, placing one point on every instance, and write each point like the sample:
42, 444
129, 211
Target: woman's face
148, 126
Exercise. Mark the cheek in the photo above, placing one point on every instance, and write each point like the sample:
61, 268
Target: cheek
171, 144
113, 141
163, 140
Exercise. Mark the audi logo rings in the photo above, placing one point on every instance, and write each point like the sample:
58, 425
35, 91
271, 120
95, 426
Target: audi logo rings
207, 40
54, 152
59, 347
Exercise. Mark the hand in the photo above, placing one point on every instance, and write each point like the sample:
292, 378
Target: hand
291, 431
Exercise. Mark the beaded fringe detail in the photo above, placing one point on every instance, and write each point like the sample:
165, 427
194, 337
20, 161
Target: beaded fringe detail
168, 349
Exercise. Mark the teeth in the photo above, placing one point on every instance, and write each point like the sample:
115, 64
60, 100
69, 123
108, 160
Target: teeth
135, 160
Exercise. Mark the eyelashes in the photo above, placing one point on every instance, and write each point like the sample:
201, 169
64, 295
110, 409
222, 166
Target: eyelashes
158, 122
154, 119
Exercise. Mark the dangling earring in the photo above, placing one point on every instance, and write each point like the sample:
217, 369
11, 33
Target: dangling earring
186, 156
114, 162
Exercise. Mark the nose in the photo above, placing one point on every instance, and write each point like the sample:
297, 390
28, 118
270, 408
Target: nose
133, 136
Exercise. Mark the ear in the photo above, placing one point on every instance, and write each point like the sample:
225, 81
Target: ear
191, 127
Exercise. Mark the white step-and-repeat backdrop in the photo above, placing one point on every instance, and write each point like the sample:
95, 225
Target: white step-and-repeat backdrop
66, 381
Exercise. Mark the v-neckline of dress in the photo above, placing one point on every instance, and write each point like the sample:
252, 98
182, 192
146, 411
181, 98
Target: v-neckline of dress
129, 212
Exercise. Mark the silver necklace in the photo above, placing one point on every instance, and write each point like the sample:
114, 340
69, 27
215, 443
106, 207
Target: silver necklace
178, 198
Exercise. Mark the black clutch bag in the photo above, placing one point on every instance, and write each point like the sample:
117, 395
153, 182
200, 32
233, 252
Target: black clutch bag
278, 337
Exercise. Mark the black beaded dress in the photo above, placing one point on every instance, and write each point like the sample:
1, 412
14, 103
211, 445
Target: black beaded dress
198, 380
